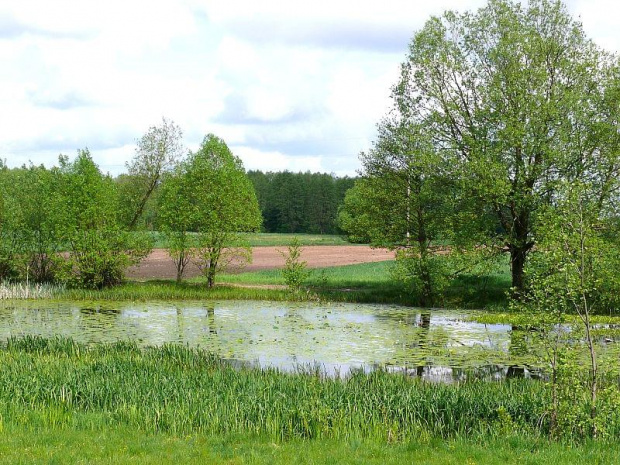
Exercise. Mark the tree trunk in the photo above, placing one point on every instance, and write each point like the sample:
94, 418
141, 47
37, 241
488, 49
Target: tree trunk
210, 276
180, 262
142, 203
518, 256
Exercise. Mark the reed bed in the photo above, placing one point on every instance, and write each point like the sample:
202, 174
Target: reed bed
9, 290
180, 390
169, 290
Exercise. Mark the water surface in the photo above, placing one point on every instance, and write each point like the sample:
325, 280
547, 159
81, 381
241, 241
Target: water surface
435, 344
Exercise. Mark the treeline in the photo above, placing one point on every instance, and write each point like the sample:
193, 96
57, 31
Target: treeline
300, 202
74, 225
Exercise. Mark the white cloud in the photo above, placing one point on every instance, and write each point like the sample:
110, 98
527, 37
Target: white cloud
289, 85
600, 21
254, 159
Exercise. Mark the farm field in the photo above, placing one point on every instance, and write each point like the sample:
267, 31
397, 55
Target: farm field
263, 239
425, 270
159, 265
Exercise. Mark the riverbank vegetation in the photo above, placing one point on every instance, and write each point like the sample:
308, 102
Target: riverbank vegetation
53, 388
360, 283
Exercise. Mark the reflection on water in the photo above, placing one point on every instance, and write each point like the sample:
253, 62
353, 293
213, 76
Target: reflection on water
437, 344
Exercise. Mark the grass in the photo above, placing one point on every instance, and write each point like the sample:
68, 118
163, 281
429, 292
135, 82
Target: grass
372, 283
10, 290
283, 239
272, 239
130, 446
178, 390
62, 402
525, 320
169, 290
360, 283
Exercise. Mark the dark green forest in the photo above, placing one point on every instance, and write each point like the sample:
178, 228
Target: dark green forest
299, 202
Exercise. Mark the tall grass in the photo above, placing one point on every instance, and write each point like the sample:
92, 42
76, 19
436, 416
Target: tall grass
180, 390
169, 290
19, 290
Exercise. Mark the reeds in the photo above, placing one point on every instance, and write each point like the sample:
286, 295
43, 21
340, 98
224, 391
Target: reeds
19, 290
182, 390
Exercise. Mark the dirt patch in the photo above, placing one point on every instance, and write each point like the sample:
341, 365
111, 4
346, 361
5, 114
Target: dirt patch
158, 264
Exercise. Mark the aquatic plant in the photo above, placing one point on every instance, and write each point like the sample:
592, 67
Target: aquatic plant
181, 390
26, 290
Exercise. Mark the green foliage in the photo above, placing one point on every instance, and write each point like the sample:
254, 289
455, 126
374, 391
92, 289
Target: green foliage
176, 220
425, 277
299, 202
169, 290
515, 100
99, 250
211, 196
203, 394
157, 153
29, 228
404, 201
574, 270
295, 270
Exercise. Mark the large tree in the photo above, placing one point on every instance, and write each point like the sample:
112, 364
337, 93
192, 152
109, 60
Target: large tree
516, 99
403, 202
211, 196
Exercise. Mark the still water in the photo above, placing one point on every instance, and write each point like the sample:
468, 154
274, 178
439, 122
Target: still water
436, 344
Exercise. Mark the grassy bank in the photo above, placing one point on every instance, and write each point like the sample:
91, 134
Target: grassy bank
130, 446
169, 290
361, 283
64, 402
373, 283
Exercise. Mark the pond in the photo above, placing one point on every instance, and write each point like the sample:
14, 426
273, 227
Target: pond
438, 345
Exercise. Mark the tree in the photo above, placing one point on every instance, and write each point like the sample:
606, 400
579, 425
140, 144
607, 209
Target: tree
9, 239
295, 270
176, 220
574, 270
99, 250
217, 202
157, 152
403, 201
29, 234
517, 100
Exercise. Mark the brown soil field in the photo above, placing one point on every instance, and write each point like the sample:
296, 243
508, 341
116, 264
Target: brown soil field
158, 265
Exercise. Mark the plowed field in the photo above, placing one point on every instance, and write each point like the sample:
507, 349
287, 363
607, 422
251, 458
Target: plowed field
158, 265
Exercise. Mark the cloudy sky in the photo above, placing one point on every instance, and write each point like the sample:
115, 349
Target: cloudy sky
289, 85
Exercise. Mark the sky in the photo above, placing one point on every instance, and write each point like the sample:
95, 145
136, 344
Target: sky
287, 84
